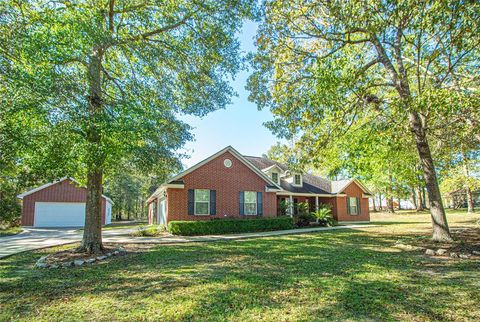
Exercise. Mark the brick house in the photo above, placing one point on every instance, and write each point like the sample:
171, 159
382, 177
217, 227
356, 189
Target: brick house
61, 203
231, 185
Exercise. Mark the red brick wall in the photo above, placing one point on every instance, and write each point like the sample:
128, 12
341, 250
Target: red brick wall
340, 205
64, 191
228, 182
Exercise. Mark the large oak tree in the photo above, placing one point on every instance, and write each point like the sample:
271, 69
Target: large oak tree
321, 66
116, 75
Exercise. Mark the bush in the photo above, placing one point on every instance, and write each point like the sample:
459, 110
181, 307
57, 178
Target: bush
323, 216
225, 226
149, 231
303, 216
9, 212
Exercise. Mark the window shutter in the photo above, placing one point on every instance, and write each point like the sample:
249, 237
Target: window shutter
213, 202
348, 205
242, 198
191, 201
359, 209
259, 204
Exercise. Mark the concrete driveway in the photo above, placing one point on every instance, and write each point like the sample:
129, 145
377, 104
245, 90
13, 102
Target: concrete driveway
35, 238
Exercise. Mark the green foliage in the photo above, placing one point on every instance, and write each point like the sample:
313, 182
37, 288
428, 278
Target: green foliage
227, 226
9, 212
303, 217
323, 216
150, 231
364, 86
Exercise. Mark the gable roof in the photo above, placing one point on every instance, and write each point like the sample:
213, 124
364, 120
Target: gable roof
340, 185
20, 196
270, 183
311, 183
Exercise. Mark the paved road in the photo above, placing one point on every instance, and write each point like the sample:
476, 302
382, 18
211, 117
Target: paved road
35, 238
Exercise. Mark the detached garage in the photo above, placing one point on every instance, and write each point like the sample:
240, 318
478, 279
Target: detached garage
59, 204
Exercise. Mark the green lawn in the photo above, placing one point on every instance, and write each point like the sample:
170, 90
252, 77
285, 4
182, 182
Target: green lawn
336, 275
10, 231
122, 225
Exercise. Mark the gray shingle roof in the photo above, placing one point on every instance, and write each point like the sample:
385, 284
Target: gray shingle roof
311, 183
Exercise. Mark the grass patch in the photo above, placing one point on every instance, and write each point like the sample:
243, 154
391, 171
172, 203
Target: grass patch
150, 231
10, 231
121, 225
346, 274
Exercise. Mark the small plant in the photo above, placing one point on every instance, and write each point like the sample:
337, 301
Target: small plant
303, 216
323, 216
149, 231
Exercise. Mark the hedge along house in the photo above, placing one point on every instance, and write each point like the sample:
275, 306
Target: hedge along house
231, 185
59, 204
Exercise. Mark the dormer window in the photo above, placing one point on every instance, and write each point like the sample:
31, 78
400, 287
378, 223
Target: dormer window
275, 177
297, 180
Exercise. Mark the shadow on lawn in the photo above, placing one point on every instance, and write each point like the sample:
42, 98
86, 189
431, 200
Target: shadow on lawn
341, 275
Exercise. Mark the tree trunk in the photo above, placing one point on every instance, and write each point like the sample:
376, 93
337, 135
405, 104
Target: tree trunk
374, 206
399, 204
441, 231
390, 196
419, 199
92, 234
380, 202
413, 198
468, 191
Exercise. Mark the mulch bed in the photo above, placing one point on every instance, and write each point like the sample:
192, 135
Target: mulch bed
466, 240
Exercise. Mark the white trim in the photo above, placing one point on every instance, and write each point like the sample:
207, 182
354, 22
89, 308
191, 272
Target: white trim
267, 189
174, 185
20, 196
245, 203
195, 203
286, 193
358, 183
274, 166
235, 153
293, 180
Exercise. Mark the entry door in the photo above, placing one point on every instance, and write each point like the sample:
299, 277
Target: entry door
162, 216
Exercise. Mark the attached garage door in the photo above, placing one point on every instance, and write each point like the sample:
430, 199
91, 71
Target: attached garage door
59, 214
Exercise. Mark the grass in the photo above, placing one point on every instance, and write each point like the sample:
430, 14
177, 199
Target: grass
122, 225
150, 231
10, 231
333, 275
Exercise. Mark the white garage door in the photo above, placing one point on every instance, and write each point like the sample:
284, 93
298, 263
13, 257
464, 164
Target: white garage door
59, 214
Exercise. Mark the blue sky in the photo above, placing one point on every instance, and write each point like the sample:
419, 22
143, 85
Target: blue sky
240, 124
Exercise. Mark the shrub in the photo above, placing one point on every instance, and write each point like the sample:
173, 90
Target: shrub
303, 216
323, 216
9, 212
225, 226
149, 231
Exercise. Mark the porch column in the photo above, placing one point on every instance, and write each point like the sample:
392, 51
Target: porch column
290, 205
316, 203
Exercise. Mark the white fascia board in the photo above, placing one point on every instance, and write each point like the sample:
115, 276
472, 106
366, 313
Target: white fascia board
286, 193
230, 149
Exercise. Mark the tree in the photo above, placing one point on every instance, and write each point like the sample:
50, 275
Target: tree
322, 66
115, 75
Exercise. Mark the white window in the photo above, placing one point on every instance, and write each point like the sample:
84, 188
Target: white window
352, 203
275, 177
250, 205
297, 179
202, 202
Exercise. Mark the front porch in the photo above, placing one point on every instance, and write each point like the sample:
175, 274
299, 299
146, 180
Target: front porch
287, 204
